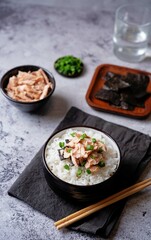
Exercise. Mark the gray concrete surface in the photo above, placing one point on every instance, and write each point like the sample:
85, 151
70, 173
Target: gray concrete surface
38, 32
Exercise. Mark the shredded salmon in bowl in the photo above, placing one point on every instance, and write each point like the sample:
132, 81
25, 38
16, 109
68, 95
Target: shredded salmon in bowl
29, 86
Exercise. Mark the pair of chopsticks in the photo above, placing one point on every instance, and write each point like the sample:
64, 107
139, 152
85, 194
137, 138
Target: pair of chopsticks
74, 217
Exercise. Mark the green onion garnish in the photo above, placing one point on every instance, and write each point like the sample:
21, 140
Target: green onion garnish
83, 163
100, 150
69, 65
88, 171
93, 140
79, 172
73, 134
92, 156
66, 167
69, 150
89, 147
61, 144
83, 136
101, 164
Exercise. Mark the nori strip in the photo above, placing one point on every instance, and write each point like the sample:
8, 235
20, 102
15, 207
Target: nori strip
109, 75
130, 99
61, 155
116, 84
138, 82
109, 96
126, 106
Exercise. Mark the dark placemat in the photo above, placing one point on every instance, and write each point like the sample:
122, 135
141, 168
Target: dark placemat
31, 186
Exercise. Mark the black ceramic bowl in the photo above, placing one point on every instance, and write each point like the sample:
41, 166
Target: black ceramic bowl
81, 193
26, 106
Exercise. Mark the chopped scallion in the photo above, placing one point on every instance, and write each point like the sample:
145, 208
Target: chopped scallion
69, 66
83, 163
83, 136
100, 150
88, 171
73, 134
66, 167
89, 147
79, 172
101, 164
61, 144
69, 150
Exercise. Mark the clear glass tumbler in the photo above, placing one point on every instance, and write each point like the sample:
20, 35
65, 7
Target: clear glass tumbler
132, 32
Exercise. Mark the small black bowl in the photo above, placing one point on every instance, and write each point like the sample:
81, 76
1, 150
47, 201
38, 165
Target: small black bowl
81, 193
26, 106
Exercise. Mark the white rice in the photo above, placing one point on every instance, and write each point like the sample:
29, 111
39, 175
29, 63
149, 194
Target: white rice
112, 158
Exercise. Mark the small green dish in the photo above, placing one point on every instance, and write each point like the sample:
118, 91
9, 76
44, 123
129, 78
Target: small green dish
69, 66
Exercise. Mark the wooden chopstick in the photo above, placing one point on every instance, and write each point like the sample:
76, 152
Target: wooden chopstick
64, 222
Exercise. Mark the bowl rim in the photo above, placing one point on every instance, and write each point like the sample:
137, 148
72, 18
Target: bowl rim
74, 185
27, 66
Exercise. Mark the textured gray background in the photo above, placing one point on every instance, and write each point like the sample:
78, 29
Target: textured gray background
38, 32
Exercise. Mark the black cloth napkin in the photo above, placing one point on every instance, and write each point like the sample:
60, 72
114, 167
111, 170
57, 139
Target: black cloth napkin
31, 186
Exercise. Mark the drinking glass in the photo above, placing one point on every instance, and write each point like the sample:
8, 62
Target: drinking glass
132, 32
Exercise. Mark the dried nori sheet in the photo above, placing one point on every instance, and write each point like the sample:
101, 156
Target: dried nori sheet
126, 106
115, 83
109, 96
130, 99
125, 91
138, 82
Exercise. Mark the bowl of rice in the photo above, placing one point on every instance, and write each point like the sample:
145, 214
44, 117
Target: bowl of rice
81, 163
27, 87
